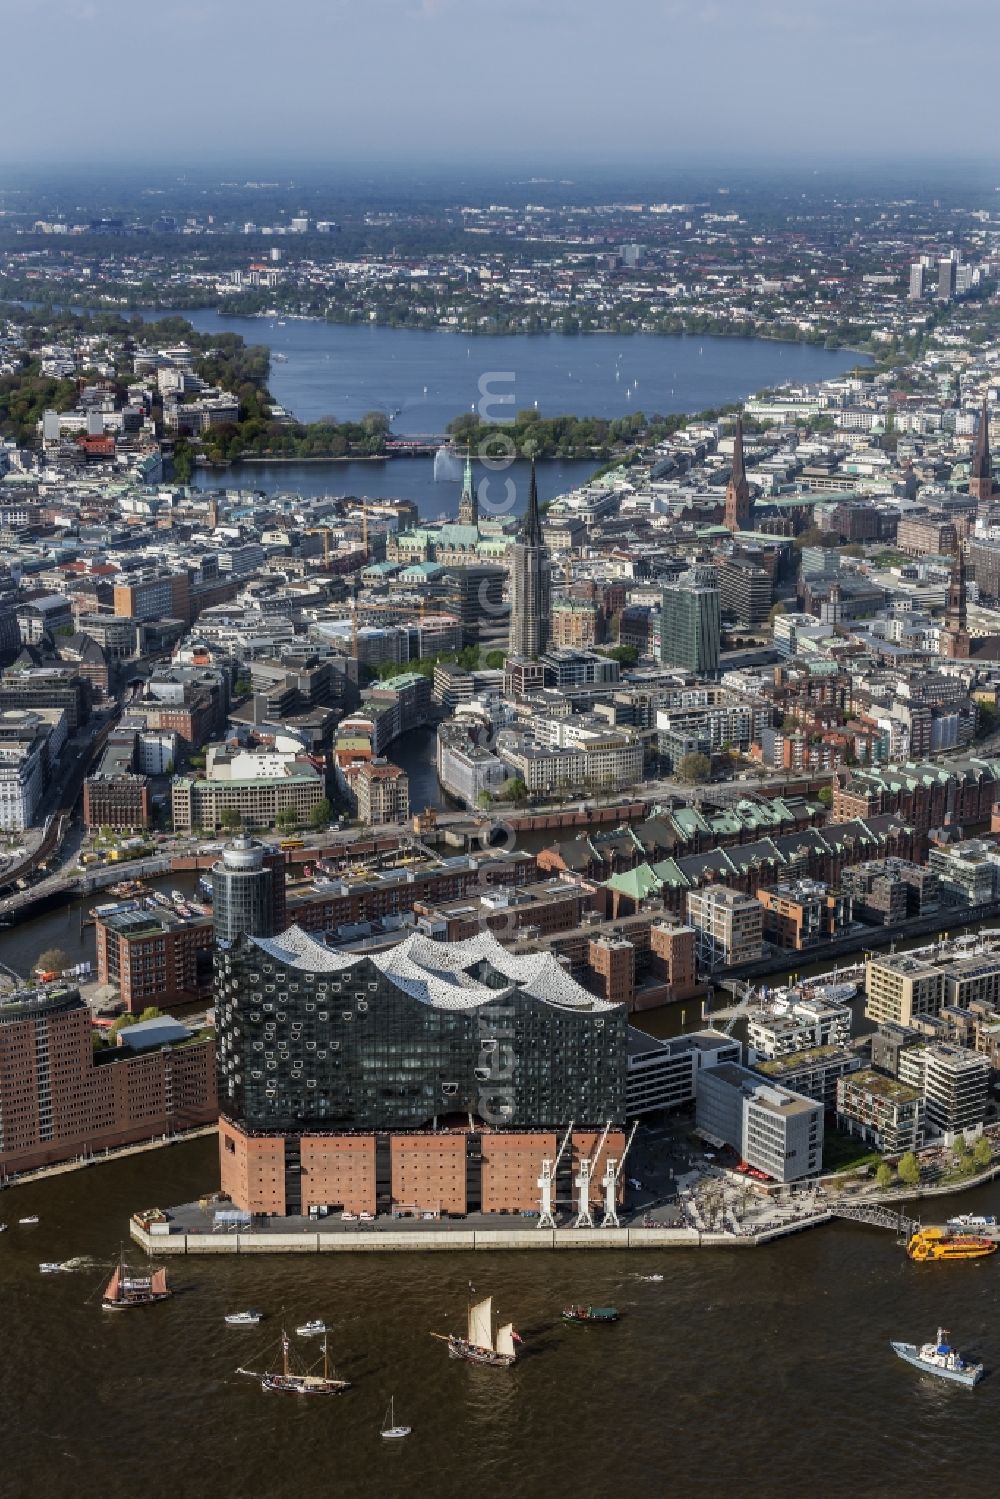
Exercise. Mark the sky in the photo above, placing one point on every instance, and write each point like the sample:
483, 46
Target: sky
530, 81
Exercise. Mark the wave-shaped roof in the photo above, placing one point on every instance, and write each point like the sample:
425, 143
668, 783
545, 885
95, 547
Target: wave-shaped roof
438, 973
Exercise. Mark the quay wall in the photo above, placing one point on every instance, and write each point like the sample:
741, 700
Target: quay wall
423, 1241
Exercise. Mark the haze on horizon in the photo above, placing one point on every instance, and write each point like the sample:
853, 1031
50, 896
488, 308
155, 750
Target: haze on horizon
439, 81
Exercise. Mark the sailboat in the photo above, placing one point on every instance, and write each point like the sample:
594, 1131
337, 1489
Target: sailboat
126, 1289
479, 1346
286, 1381
390, 1431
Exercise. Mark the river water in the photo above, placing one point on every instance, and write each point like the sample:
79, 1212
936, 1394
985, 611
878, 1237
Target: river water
759, 1372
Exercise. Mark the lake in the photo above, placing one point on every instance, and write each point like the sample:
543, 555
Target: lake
423, 379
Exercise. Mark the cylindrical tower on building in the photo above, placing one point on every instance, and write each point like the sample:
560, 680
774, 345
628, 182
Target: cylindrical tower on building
248, 893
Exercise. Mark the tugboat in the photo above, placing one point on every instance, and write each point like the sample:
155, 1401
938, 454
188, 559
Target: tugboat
286, 1381
479, 1346
941, 1359
939, 1244
126, 1290
590, 1314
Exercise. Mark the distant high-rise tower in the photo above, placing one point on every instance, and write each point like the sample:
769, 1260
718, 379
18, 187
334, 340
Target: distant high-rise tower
738, 508
248, 891
981, 475
690, 622
530, 584
946, 278
468, 505
917, 273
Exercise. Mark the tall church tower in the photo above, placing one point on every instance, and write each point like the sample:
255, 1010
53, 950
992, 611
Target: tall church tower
530, 583
468, 505
981, 475
739, 512
955, 640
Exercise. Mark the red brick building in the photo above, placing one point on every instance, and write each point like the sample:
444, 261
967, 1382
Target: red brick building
452, 1172
59, 1099
155, 957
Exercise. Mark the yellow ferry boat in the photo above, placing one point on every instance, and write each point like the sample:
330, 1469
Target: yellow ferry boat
939, 1244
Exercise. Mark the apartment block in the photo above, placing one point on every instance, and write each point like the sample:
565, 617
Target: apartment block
901, 989
884, 1112
728, 926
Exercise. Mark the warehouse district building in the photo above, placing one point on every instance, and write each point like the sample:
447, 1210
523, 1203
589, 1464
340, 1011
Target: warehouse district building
431, 1077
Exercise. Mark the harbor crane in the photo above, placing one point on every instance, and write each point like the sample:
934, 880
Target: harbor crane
585, 1170
612, 1175
547, 1183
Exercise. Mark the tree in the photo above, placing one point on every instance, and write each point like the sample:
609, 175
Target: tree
122, 1022
231, 819
288, 820
694, 768
514, 790
825, 795
320, 814
52, 960
909, 1169
883, 1176
151, 1013
495, 660
982, 1152
483, 799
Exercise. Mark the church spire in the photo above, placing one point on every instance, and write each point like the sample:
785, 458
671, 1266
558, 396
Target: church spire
468, 505
532, 532
738, 508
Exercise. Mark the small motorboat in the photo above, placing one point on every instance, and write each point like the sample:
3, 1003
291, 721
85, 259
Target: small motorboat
390, 1431
50, 1267
243, 1319
31, 1218
651, 1278
312, 1329
590, 1314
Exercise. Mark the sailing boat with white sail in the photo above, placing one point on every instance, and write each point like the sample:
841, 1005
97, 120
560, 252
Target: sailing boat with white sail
390, 1431
480, 1346
288, 1381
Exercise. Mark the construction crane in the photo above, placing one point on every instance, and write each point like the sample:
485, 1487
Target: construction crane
585, 1171
547, 1183
612, 1176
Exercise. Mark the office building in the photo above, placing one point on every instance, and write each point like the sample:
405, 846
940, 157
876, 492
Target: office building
153, 955
664, 1074
258, 786
530, 584
815, 1073
774, 1130
248, 891
428, 1070
691, 623
60, 1098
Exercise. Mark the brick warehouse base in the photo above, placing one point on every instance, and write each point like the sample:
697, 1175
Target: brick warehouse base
451, 1172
